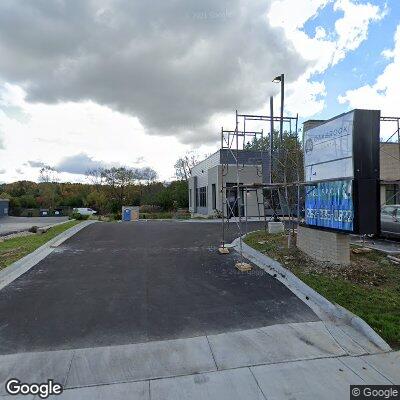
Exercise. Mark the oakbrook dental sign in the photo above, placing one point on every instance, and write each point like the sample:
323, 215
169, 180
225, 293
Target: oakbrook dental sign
341, 162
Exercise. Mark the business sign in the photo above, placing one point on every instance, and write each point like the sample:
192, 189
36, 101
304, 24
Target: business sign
330, 205
328, 150
341, 167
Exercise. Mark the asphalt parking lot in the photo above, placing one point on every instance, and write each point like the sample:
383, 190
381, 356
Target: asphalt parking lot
120, 283
18, 224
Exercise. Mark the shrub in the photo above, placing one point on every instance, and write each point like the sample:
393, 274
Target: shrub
149, 208
79, 216
117, 216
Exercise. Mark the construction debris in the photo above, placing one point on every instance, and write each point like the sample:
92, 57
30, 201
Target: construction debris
243, 267
361, 250
394, 259
223, 250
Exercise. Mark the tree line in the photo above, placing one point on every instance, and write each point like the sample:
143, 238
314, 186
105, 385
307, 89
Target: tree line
107, 190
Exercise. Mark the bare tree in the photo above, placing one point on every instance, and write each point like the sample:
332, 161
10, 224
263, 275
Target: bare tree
118, 181
184, 165
146, 174
95, 176
48, 174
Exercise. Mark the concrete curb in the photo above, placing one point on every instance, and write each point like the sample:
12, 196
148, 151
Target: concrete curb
320, 305
15, 270
57, 223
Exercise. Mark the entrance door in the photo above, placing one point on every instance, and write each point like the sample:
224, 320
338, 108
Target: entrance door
232, 209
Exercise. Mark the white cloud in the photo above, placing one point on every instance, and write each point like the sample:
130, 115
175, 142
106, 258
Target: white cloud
352, 28
173, 65
292, 15
307, 97
388, 54
113, 77
52, 132
325, 49
80, 164
384, 94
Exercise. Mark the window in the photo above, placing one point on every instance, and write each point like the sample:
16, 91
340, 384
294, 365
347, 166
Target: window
214, 196
190, 197
201, 197
391, 194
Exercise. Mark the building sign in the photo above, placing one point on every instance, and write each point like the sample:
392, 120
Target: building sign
341, 167
328, 150
330, 205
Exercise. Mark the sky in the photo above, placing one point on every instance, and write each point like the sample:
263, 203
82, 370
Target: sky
87, 83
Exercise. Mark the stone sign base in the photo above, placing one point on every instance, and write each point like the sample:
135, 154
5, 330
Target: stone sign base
275, 227
323, 245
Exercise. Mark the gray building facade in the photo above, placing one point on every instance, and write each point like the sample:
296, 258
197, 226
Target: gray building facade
219, 170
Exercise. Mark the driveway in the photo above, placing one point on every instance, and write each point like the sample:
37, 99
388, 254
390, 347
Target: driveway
121, 283
107, 299
18, 224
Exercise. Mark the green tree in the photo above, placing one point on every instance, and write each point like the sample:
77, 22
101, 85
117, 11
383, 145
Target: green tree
287, 167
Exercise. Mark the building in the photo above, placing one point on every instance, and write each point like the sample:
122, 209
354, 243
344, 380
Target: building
219, 170
4, 207
390, 173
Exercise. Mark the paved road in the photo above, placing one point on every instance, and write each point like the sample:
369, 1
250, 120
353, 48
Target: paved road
121, 283
388, 246
18, 224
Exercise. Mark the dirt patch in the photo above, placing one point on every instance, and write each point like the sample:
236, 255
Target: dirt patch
366, 268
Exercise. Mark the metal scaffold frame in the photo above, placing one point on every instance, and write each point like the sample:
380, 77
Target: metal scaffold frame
393, 138
234, 141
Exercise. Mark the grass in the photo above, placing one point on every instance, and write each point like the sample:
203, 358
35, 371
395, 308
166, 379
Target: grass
369, 287
13, 249
163, 215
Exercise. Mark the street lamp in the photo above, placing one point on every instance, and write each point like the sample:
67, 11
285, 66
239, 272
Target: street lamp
281, 79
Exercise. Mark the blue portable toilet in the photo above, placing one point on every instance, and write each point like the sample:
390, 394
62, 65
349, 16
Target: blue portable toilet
127, 214
130, 213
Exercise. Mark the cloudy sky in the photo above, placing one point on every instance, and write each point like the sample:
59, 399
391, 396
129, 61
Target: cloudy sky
127, 82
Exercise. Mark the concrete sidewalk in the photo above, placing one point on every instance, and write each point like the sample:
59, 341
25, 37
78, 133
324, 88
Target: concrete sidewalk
386, 246
288, 361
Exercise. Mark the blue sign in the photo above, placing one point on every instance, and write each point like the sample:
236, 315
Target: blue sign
330, 204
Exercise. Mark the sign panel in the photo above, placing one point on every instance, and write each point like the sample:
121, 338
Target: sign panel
328, 150
330, 205
341, 166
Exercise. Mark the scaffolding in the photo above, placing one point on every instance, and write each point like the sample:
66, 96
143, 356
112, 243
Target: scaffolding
274, 184
234, 141
394, 139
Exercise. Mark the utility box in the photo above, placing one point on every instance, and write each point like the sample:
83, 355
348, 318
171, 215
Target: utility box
130, 213
4, 207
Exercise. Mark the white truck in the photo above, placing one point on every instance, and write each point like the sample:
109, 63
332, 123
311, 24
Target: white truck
84, 211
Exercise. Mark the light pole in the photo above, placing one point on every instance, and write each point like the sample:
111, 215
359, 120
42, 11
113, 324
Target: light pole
281, 79
271, 141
